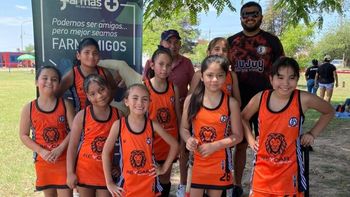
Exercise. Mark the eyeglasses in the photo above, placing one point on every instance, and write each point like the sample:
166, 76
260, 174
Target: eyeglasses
254, 14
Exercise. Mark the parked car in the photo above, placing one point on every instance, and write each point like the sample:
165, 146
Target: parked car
337, 62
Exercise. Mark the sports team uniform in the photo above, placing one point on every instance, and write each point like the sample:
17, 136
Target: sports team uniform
80, 99
227, 86
252, 59
89, 168
162, 109
209, 125
136, 161
278, 166
49, 129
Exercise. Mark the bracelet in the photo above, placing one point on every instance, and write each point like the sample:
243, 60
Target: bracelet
311, 134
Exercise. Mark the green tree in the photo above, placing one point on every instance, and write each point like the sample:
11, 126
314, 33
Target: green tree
336, 43
180, 22
29, 48
200, 52
297, 42
296, 10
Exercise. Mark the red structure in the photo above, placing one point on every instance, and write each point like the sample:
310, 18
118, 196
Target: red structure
9, 60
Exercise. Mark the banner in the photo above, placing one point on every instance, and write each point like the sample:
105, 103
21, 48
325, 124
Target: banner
59, 25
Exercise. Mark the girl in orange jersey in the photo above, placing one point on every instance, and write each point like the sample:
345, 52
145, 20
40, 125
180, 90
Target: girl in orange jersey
219, 46
135, 133
164, 108
90, 129
278, 169
48, 117
208, 112
87, 57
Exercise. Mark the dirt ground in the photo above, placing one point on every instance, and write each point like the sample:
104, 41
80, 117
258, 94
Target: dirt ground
329, 165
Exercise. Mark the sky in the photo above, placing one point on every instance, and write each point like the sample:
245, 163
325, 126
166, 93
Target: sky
16, 23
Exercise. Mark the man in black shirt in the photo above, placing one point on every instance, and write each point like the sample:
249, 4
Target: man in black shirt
310, 77
325, 77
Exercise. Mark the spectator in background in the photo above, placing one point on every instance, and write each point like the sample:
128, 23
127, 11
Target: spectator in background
310, 77
325, 77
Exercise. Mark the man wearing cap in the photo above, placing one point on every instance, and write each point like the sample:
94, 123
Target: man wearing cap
182, 69
252, 53
181, 75
325, 77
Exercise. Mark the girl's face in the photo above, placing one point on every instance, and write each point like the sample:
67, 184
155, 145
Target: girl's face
213, 77
89, 56
137, 101
98, 95
162, 66
219, 49
285, 81
48, 81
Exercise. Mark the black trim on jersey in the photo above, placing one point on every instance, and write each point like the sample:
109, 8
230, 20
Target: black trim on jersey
30, 112
96, 119
215, 187
74, 91
217, 107
92, 186
132, 131
301, 107
156, 91
41, 188
284, 108
46, 112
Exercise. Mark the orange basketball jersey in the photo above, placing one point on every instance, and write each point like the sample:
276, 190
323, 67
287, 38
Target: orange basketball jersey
89, 168
80, 98
49, 129
136, 161
278, 164
162, 110
227, 86
209, 125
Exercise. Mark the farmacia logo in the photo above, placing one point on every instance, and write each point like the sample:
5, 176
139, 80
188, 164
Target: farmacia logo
110, 5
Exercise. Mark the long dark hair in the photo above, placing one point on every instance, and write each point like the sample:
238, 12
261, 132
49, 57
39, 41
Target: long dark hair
156, 53
198, 93
82, 44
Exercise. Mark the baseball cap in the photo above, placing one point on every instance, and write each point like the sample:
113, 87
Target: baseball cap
170, 33
327, 57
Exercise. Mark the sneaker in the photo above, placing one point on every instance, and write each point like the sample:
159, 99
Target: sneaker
237, 191
181, 190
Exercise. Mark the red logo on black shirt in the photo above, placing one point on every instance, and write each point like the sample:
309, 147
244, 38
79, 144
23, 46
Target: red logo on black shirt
207, 134
97, 144
163, 115
275, 144
51, 135
138, 159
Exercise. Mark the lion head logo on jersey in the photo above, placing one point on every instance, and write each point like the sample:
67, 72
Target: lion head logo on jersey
163, 115
97, 144
275, 144
51, 135
138, 158
207, 134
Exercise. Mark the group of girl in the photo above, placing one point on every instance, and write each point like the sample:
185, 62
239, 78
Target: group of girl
103, 153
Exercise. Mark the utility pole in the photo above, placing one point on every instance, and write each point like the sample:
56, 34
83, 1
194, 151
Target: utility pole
21, 36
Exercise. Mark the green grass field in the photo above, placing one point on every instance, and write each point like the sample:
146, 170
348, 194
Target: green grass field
17, 170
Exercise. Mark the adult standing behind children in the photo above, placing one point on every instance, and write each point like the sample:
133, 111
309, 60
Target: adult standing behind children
181, 75
310, 77
325, 77
252, 52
